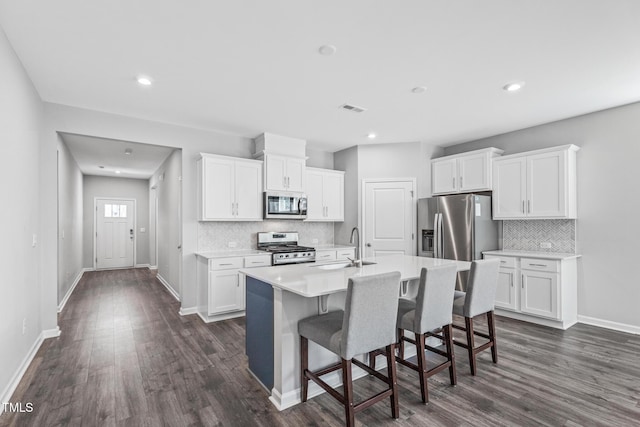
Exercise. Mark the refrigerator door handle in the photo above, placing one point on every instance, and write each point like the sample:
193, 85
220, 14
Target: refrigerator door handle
436, 236
439, 237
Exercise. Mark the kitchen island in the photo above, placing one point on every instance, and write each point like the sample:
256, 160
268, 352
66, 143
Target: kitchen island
278, 297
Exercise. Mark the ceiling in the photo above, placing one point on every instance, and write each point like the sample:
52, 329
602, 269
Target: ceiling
90, 153
247, 67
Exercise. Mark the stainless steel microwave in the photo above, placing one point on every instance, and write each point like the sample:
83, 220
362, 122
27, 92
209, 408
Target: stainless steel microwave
285, 205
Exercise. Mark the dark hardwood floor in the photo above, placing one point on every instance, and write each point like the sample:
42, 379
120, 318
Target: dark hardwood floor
126, 357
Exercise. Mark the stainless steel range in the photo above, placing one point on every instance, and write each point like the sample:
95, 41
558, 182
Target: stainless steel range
285, 249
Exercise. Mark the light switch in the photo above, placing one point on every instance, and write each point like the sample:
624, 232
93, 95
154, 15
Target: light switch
34, 241
143, 230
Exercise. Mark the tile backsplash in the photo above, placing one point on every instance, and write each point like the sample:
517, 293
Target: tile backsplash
215, 236
527, 235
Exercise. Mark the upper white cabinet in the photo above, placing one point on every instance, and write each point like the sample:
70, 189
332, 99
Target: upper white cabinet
325, 195
463, 173
283, 173
537, 184
229, 189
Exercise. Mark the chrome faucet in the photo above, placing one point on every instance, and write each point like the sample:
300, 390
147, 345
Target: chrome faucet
357, 262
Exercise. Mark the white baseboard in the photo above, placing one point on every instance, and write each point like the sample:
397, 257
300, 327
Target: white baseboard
17, 376
621, 327
142, 266
84, 270
153, 267
70, 291
188, 311
168, 286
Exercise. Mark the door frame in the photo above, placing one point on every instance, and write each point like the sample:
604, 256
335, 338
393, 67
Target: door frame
414, 210
95, 228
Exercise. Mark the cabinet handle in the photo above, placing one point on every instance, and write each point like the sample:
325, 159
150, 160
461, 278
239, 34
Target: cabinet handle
460, 182
529, 206
522, 281
288, 182
226, 264
453, 181
325, 256
523, 211
512, 277
503, 262
538, 265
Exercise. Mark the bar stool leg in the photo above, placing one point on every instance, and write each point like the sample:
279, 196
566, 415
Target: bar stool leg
448, 337
470, 344
347, 385
492, 336
400, 343
304, 360
393, 380
422, 367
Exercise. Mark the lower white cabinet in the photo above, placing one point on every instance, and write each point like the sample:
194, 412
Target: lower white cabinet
324, 255
221, 286
538, 290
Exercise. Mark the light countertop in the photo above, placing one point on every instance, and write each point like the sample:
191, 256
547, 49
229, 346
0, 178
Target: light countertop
531, 254
329, 247
229, 254
310, 280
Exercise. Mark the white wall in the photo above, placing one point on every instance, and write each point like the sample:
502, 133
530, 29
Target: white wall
70, 230
399, 160
608, 205
111, 187
168, 189
20, 122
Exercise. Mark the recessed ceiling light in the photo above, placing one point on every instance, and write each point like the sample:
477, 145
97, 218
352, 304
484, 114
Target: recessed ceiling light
371, 135
327, 49
419, 89
117, 171
144, 81
513, 87
128, 151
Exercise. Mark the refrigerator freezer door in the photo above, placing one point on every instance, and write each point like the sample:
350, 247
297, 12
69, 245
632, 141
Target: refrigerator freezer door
457, 227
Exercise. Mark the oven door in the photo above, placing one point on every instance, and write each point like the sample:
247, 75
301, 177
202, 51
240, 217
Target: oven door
285, 205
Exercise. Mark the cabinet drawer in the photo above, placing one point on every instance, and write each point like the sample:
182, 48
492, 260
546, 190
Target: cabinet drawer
226, 263
345, 253
325, 255
505, 262
540, 264
257, 261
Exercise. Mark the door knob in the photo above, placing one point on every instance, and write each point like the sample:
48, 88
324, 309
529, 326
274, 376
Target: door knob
368, 245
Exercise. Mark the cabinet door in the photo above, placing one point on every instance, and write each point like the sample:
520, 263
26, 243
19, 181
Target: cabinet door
506, 293
540, 293
474, 172
327, 255
509, 188
444, 176
295, 173
275, 172
225, 293
315, 202
248, 190
345, 254
546, 185
333, 196
217, 188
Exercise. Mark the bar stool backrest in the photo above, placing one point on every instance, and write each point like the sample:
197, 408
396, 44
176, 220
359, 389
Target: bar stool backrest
481, 288
370, 313
434, 303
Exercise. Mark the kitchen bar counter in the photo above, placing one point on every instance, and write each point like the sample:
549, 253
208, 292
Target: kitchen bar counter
228, 254
533, 254
278, 297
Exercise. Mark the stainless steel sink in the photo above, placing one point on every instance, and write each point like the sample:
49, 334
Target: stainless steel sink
339, 265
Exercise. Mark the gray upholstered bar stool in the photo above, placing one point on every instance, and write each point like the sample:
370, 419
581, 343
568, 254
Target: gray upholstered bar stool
428, 316
477, 300
367, 323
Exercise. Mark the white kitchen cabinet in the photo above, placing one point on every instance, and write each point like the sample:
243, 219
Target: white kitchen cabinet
229, 189
463, 173
222, 287
325, 195
327, 255
538, 290
536, 185
283, 173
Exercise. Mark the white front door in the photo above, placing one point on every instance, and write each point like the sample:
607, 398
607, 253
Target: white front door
389, 217
115, 233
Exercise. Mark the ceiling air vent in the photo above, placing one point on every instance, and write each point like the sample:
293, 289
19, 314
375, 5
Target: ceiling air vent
353, 108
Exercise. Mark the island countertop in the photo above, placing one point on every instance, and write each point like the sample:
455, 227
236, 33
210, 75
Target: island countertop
313, 280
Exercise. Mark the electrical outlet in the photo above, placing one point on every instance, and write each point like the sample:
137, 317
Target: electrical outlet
314, 241
24, 326
545, 245
34, 240
143, 230
232, 244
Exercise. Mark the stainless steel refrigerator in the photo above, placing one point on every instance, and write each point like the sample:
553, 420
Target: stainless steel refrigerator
456, 227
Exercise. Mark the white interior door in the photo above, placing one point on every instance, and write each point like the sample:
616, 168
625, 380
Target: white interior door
115, 233
389, 217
